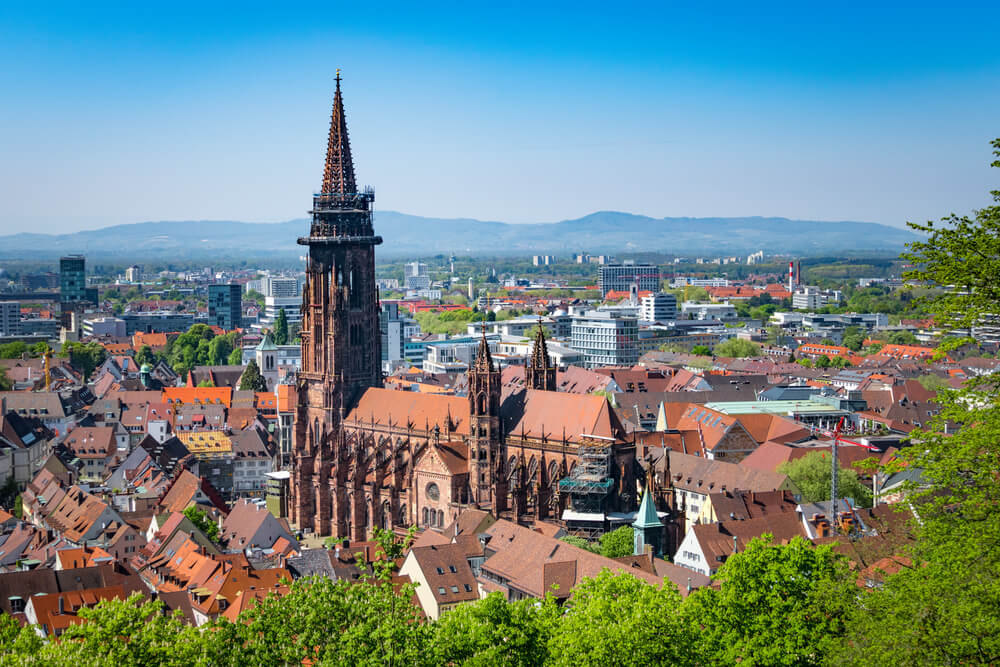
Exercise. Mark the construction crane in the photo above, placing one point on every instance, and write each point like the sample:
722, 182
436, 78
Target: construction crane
835, 466
48, 371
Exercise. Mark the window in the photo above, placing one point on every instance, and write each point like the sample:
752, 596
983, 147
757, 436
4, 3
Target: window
432, 491
452, 569
454, 589
441, 590
16, 604
440, 570
468, 588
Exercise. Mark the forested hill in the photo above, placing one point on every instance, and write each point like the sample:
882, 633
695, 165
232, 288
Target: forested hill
607, 231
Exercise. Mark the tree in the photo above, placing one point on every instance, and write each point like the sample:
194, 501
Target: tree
960, 255
932, 382
775, 605
203, 522
942, 609
701, 350
581, 543
219, 349
822, 361
6, 384
736, 347
145, 356
85, 357
902, 337
854, 338
13, 350
619, 542
493, 631
281, 328
235, 357
812, 475
616, 619
252, 380
207, 382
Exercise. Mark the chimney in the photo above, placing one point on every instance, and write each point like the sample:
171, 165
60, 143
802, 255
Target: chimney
62, 605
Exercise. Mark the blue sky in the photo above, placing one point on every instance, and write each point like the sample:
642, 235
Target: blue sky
523, 112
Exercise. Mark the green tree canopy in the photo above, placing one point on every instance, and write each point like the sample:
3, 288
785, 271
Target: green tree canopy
619, 542
736, 347
85, 357
281, 328
615, 619
813, 473
701, 350
252, 380
776, 605
203, 522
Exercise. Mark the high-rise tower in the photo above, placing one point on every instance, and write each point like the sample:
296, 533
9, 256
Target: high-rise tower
341, 355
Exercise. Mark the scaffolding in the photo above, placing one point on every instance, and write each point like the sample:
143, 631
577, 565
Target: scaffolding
589, 484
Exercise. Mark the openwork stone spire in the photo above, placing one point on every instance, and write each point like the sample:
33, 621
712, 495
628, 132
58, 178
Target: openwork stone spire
484, 360
539, 373
338, 174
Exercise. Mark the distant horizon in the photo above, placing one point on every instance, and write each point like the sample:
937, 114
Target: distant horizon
513, 113
460, 219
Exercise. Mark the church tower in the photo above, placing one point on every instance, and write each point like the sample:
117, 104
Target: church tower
539, 373
341, 345
486, 460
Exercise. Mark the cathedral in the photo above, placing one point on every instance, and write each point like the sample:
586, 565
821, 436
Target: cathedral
366, 457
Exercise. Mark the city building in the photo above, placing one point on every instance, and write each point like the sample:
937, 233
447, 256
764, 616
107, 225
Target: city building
10, 318
813, 298
157, 322
605, 338
396, 330
416, 277
658, 307
225, 306
694, 310
278, 286
543, 260
104, 326
73, 281
621, 277
133, 274
273, 305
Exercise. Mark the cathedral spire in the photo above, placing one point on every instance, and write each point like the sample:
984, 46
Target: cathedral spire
539, 373
338, 174
484, 360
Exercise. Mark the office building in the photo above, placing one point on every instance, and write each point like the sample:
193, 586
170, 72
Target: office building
133, 274
277, 286
416, 277
10, 318
693, 310
658, 307
543, 260
621, 277
605, 338
813, 298
99, 327
73, 281
225, 306
157, 322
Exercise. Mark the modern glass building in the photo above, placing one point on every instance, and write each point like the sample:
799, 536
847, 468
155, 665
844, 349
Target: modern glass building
225, 306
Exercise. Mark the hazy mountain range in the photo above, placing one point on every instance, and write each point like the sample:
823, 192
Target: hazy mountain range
605, 231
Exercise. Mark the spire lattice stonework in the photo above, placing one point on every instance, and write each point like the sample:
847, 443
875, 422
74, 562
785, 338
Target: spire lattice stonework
338, 175
539, 373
